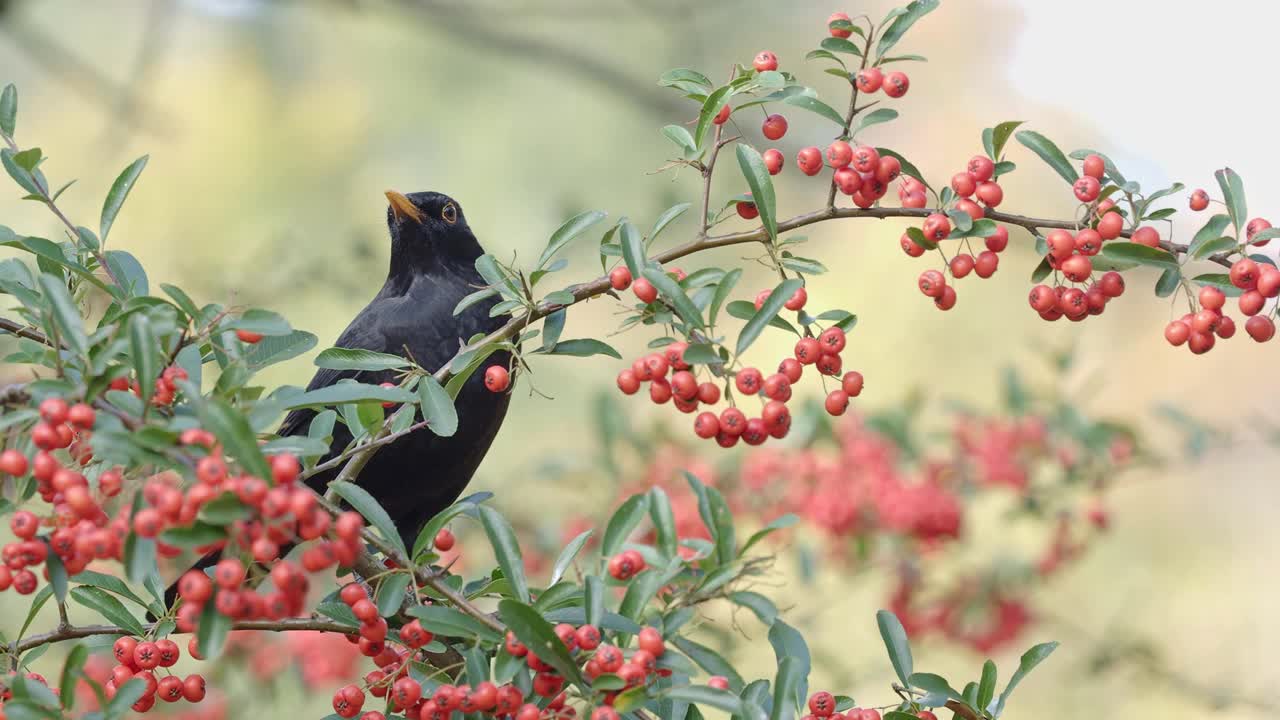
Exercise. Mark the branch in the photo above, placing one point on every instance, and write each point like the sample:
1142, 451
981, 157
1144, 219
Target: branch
13, 327
83, 631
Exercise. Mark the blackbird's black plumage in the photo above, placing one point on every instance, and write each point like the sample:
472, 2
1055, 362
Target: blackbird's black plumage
433, 254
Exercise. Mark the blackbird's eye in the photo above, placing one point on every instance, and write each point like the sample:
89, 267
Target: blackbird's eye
449, 214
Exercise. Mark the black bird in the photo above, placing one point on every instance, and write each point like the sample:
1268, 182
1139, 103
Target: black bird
433, 255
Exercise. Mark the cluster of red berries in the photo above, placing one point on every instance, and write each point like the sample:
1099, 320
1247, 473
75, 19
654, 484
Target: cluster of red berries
139, 658
1197, 330
978, 180
626, 565
732, 424
822, 706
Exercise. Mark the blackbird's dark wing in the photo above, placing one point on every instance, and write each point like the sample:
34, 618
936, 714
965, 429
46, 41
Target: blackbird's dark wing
366, 333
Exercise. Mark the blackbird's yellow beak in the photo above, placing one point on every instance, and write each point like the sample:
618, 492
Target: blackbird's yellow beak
402, 208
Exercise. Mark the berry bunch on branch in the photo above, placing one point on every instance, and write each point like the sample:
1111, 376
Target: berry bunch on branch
145, 437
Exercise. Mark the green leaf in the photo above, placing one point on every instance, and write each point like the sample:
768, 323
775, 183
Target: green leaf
875, 117
902, 23
709, 696
391, 593
633, 249
42, 596
1030, 659
624, 522
702, 354
664, 521
987, 688
828, 55
57, 574
771, 307
260, 321
110, 583
1212, 230
366, 505
745, 310
1041, 271
994, 139
427, 535
807, 266
814, 105
278, 348
762, 606
672, 213
593, 599
71, 668
935, 685
506, 549
681, 137
1222, 281
572, 228
340, 358
127, 269
583, 347
787, 688
118, 193
567, 556
143, 347
1050, 153
1233, 195
1140, 254
1168, 282
20, 175
725, 287
710, 108
444, 620
126, 695
895, 642
139, 557
473, 298
194, 535
211, 635
673, 78
757, 176
671, 291
348, 392
840, 45
437, 407
903, 58
107, 606
779, 523
66, 316
233, 431
8, 109
537, 634
1213, 247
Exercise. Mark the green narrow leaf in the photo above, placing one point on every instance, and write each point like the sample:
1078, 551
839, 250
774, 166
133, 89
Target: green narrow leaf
583, 347
814, 105
762, 606
127, 269
1140, 254
537, 634
757, 176
987, 688
366, 505
633, 249
895, 642
107, 606
572, 228
9, 109
211, 635
710, 661
1000, 135
593, 599
903, 22
70, 674
437, 407
908, 168
664, 521
681, 137
340, 358
506, 549
139, 557
786, 689
391, 593
143, 347
840, 45
671, 291
710, 108
671, 215
233, 431
37, 603
1044, 147
771, 307
1168, 282
875, 117
65, 314
935, 685
1214, 229
567, 555
624, 521
709, 696
118, 193
1233, 194
126, 695
57, 574
1030, 659
723, 290
348, 392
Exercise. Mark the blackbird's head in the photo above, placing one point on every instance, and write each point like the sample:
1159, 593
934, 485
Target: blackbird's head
428, 230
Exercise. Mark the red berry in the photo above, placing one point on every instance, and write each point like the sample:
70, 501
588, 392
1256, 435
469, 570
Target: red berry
990, 193
620, 278
54, 410
774, 127
797, 299
791, 368
708, 393
866, 159
932, 283
248, 336
839, 154
645, 291
1077, 268
718, 682
1110, 226
832, 340
444, 540
808, 351
999, 241
986, 264
723, 116
82, 416
228, 573
1094, 167
937, 227
1260, 328
496, 378
851, 383
773, 160
749, 381
1244, 274
889, 169
1199, 200
822, 704
963, 184
809, 160
1251, 302
732, 422
961, 265
981, 168
627, 381
1087, 189
838, 32
766, 61
1211, 298
837, 402
1254, 227
869, 80
746, 211
1146, 235
947, 300
13, 462
896, 84
909, 246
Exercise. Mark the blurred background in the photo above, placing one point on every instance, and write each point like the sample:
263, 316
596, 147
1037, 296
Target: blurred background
274, 127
